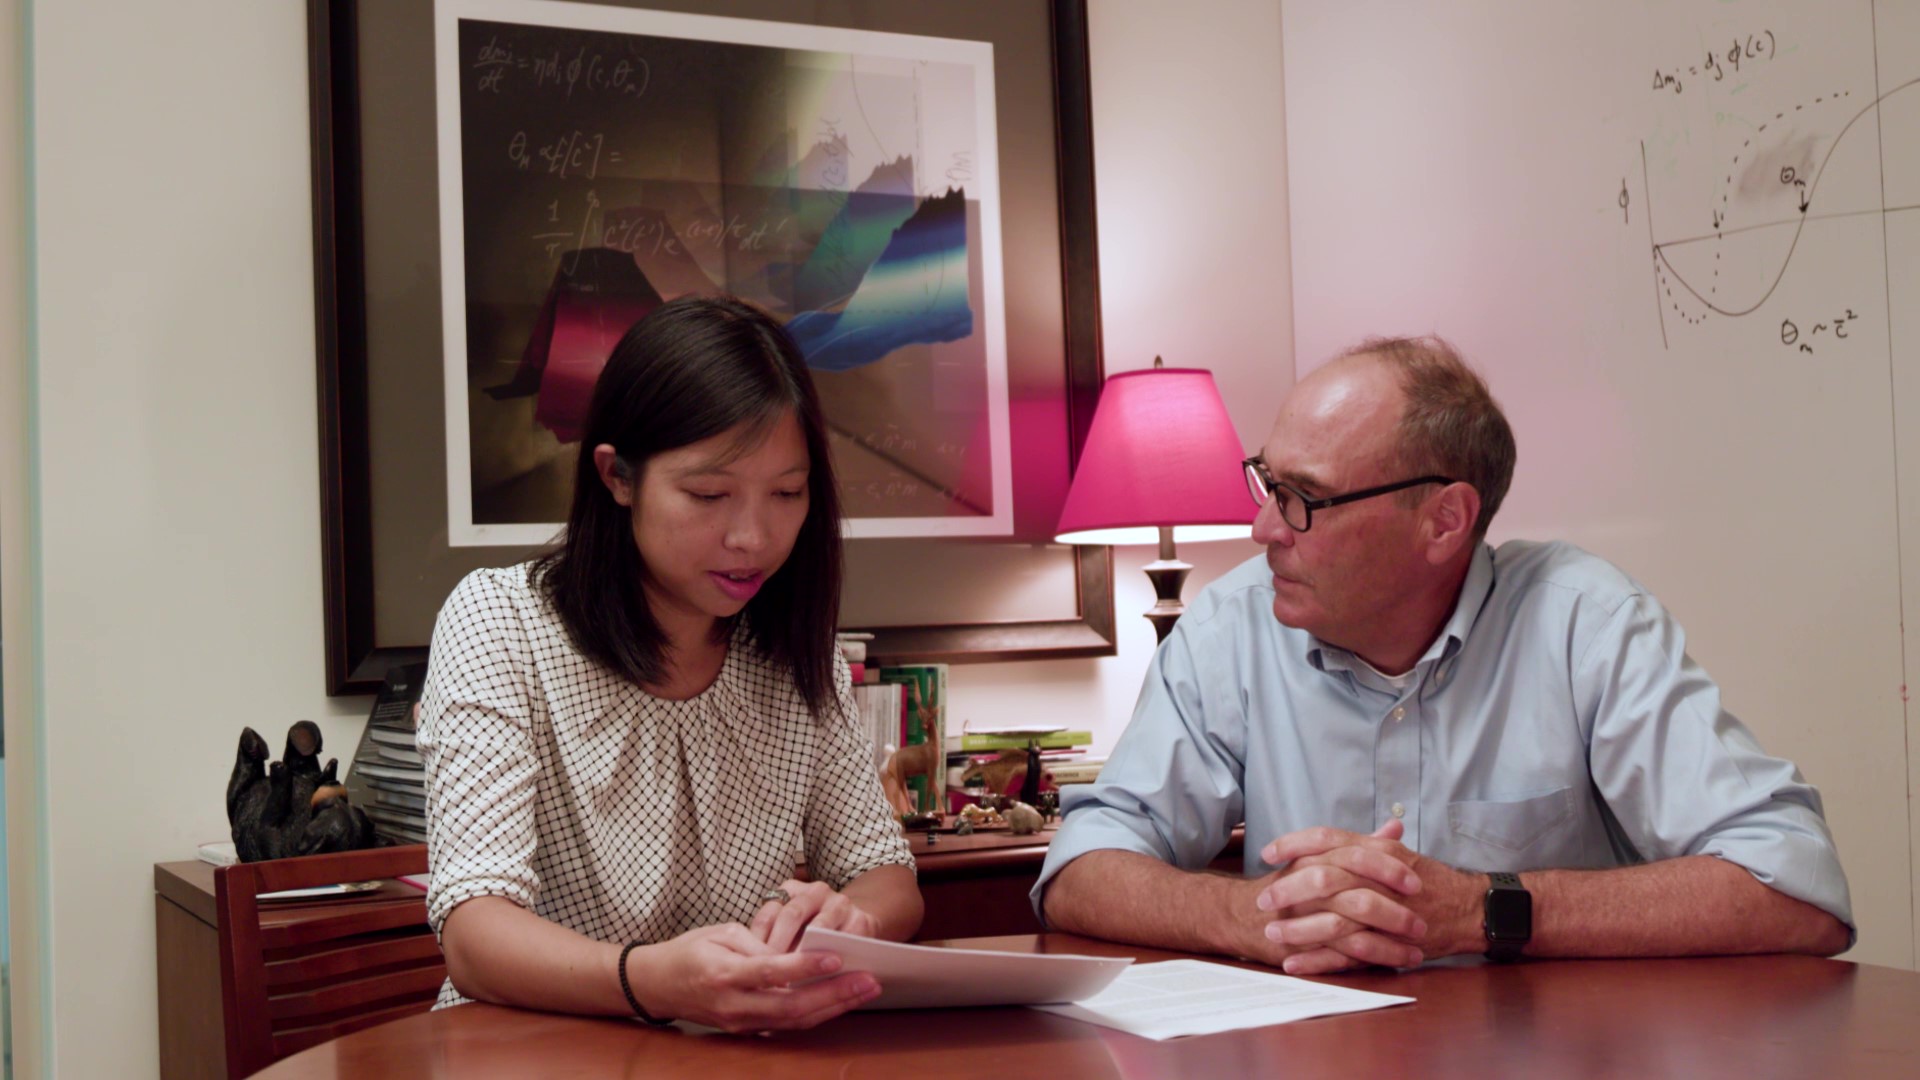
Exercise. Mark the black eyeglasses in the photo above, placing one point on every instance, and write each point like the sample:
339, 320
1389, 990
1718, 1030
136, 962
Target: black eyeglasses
1296, 509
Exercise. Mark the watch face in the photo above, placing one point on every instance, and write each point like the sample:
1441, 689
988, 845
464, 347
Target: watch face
1509, 914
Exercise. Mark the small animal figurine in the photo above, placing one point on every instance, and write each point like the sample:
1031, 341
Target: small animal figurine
1023, 819
920, 759
293, 806
1005, 774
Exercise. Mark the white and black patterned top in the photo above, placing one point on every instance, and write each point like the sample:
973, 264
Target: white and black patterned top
569, 790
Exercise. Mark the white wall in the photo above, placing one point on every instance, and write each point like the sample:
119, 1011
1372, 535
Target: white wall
1190, 162
177, 461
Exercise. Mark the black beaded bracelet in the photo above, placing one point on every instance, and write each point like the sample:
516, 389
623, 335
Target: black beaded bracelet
627, 989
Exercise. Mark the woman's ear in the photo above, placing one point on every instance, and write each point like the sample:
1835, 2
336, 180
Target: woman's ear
615, 473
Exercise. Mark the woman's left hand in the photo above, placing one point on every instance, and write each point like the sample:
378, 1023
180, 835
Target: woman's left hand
812, 904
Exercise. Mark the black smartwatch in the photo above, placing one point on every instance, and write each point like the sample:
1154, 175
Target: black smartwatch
1509, 917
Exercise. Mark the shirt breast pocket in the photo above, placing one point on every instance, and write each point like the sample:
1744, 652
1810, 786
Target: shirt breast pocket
1514, 826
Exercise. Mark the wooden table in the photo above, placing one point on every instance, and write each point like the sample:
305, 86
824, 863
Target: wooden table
974, 886
1739, 1017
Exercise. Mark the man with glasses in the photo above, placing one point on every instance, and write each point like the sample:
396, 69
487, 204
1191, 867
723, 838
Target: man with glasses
1437, 747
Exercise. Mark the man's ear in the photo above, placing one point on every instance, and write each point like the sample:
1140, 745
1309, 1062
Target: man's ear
615, 473
1449, 522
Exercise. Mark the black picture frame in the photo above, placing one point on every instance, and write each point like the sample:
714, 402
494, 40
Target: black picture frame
356, 662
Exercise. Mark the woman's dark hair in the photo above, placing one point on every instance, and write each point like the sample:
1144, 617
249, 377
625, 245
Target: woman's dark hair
692, 369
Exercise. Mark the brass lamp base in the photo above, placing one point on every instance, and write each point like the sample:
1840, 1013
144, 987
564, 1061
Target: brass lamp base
1169, 576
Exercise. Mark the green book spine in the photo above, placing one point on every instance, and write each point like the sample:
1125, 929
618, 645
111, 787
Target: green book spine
1058, 740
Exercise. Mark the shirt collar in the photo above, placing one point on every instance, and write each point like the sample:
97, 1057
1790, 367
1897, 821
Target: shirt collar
1473, 597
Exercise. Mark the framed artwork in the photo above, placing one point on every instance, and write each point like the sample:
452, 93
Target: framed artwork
502, 187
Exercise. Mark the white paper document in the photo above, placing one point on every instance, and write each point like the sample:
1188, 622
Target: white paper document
924, 977
1193, 997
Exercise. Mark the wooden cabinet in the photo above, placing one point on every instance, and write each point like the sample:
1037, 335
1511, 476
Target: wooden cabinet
977, 886
192, 1035
318, 968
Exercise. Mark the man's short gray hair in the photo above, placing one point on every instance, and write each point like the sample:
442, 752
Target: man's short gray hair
1450, 425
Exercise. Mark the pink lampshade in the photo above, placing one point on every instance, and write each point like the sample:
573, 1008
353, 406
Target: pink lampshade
1162, 452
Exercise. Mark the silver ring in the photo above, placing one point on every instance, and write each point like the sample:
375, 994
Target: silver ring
777, 894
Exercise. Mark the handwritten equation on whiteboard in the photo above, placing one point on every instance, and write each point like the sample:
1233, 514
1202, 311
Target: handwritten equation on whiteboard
1753, 47
1792, 336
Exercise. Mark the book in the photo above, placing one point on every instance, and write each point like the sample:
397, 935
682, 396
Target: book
853, 645
973, 741
1049, 758
400, 755
404, 825
386, 779
399, 800
374, 786
391, 771
392, 737
393, 709
880, 705
1076, 772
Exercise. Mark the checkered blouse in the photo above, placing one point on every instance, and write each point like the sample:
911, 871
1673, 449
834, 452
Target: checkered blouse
571, 791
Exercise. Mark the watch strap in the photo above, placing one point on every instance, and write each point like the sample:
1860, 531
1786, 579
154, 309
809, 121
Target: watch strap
1504, 945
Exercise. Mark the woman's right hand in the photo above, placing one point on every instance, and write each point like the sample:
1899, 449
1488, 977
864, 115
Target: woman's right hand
724, 977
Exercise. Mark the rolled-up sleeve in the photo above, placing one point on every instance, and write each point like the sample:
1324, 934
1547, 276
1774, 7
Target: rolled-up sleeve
849, 827
1682, 776
475, 739
1171, 789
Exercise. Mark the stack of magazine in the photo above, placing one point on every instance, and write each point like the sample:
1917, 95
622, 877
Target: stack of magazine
386, 779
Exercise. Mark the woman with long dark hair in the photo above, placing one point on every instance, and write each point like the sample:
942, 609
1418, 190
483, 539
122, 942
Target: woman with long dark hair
634, 741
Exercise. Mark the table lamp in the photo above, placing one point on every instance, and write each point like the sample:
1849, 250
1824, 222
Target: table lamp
1161, 463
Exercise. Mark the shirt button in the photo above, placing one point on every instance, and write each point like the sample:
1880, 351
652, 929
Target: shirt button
1399, 811
1399, 713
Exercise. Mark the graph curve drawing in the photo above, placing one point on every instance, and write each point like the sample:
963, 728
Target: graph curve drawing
1807, 189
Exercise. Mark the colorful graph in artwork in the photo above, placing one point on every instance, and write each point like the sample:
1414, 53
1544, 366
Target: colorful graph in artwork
889, 271
914, 293
845, 182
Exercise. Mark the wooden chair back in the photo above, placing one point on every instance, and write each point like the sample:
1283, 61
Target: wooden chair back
296, 973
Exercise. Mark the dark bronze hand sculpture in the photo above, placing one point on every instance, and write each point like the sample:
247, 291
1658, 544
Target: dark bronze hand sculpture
293, 807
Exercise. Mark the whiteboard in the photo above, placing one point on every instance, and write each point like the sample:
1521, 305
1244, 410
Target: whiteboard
1601, 204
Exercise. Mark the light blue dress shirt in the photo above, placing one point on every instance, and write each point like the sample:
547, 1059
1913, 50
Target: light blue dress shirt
1557, 721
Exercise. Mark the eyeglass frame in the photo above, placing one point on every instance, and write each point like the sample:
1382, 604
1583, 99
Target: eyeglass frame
1255, 469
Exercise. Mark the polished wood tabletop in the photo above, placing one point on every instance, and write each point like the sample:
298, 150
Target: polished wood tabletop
1735, 1017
